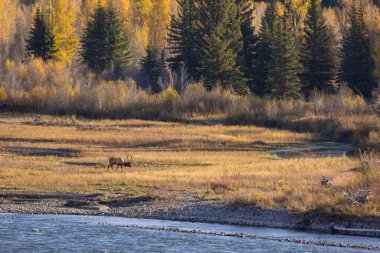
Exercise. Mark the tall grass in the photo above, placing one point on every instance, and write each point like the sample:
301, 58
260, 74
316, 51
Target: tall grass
343, 116
53, 88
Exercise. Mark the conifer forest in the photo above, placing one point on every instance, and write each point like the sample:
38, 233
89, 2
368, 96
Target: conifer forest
54, 53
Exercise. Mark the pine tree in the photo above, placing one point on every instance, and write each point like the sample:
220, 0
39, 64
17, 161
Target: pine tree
317, 52
357, 63
94, 41
262, 52
117, 41
284, 64
220, 44
277, 65
41, 41
164, 68
105, 43
245, 14
151, 68
182, 37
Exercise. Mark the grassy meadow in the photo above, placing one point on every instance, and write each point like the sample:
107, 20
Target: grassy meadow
227, 163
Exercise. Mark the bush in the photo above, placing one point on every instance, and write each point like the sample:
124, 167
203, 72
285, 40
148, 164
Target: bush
51, 87
3, 95
169, 100
197, 100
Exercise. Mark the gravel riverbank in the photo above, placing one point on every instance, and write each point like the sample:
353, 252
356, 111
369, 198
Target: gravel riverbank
182, 208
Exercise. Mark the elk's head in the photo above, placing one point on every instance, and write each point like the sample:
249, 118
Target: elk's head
128, 163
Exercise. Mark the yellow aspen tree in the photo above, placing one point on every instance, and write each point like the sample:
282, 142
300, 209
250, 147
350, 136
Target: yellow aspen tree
87, 7
159, 19
63, 15
122, 6
173, 7
297, 10
8, 20
125, 10
140, 12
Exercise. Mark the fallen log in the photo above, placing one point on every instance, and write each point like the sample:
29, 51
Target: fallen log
356, 231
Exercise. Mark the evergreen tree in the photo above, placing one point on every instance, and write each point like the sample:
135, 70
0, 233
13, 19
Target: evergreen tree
219, 45
284, 65
245, 14
94, 41
317, 52
182, 37
105, 43
151, 68
164, 68
41, 41
117, 41
277, 65
357, 63
262, 52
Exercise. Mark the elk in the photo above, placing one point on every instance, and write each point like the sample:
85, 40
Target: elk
325, 182
120, 162
361, 197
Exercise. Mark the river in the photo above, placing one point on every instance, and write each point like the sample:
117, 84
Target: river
60, 233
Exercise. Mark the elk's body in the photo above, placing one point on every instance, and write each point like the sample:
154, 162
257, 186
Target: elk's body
325, 182
120, 162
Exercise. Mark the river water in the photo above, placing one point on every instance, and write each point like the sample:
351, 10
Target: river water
60, 233
312, 150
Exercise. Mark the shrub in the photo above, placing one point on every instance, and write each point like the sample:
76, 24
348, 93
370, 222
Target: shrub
197, 100
52, 87
3, 95
169, 99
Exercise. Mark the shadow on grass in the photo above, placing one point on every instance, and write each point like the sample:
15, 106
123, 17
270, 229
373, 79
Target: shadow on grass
84, 164
27, 151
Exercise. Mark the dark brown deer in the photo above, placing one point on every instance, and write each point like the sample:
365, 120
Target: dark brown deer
120, 162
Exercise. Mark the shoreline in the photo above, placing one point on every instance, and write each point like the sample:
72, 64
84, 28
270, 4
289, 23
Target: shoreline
188, 209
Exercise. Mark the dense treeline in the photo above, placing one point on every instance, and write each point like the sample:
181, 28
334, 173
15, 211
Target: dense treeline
281, 49
293, 53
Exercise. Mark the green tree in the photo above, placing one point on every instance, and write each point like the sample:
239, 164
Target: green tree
117, 41
151, 68
41, 41
245, 14
94, 41
284, 65
317, 51
105, 43
277, 65
357, 63
262, 52
182, 38
220, 44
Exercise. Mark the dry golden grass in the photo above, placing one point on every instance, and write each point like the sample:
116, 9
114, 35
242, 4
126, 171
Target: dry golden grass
230, 163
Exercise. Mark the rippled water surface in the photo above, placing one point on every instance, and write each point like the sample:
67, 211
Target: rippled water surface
48, 233
315, 150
